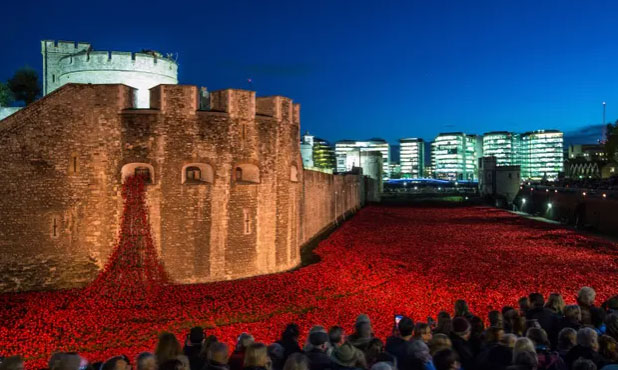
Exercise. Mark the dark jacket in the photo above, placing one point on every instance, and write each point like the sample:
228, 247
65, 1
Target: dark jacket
237, 360
215, 366
254, 368
359, 342
401, 350
566, 323
193, 353
548, 320
496, 357
318, 360
586, 353
289, 346
465, 352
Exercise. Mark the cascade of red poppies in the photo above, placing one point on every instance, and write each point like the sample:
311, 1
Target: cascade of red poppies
133, 271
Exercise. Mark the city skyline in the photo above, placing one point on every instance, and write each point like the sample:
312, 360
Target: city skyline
410, 69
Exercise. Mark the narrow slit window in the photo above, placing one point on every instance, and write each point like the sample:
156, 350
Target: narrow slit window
246, 222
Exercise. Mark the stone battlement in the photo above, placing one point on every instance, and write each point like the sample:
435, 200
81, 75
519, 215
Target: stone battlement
64, 47
236, 102
118, 60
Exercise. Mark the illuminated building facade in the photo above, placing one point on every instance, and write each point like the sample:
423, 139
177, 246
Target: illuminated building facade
412, 157
542, 154
323, 155
502, 145
454, 156
348, 154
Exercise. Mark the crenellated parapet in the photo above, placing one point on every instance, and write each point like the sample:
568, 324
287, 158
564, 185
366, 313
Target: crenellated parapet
118, 61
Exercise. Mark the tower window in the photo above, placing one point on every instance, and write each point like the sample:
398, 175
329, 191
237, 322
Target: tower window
194, 174
143, 172
246, 221
238, 174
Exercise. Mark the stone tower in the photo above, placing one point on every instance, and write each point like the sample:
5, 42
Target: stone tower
67, 62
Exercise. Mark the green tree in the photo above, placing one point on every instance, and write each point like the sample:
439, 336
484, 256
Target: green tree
25, 85
611, 144
6, 96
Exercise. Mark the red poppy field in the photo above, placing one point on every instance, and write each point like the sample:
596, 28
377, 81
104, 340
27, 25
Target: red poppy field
385, 260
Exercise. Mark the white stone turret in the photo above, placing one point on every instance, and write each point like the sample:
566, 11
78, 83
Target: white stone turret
67, 62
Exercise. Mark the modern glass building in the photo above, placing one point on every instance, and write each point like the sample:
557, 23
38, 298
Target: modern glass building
348, 153
542, 154
323, 155
454, 156
412, 157
503, 145
317, 153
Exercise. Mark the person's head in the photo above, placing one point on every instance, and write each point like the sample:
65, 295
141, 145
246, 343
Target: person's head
319, 340
296, 361
276, 352
583, 364
538, 336
208, 341
567, 338
168, 348
291, 332
146, 361
493, 334
172, 364
382, 365
336, 336
524, 304
439, 342
405, 327
496, 319
347, 356
508, 340
461, 308
523, 346
66, 361
586, 296
446, 359
115, 363
445, 323
555, 302
196, 335
422, 331
461, 327
256, 355
363, 326
573, 313
536, 300
608, 348
12, 363
477, 326
218, 353
587, 338
518, 324
526, 358
244, 341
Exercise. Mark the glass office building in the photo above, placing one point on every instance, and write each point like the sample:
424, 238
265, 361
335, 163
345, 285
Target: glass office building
542, 154
454, 156
412, 157
348, 154
503, 145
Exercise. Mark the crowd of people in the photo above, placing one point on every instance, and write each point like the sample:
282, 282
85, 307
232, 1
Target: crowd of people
539, 334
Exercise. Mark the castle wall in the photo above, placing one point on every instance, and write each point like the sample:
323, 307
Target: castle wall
66, 155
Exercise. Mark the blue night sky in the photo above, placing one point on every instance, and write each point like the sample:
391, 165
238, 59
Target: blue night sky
365, 69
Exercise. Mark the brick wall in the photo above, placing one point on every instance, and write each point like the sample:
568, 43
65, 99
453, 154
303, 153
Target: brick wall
62, 176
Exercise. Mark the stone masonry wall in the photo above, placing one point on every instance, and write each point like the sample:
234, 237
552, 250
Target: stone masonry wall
250, 212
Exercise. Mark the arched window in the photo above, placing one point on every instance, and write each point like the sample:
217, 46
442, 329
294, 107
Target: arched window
197, 173
138, 169
246, 173
293, 174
